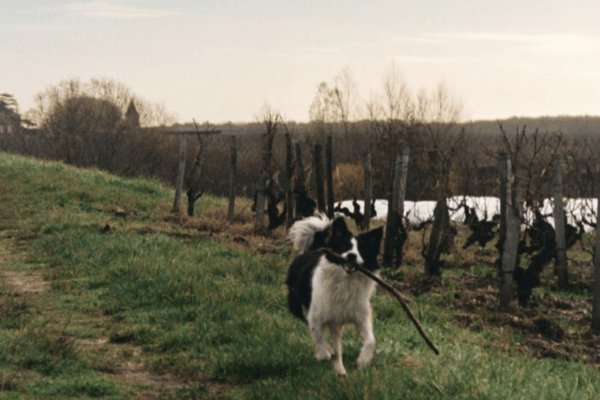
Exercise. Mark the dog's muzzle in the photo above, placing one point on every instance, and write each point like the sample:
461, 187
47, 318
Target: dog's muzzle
350, 264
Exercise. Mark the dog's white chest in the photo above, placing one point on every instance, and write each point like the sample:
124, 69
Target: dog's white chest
339, 297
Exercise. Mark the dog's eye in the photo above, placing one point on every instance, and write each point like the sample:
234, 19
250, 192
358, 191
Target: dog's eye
351, 257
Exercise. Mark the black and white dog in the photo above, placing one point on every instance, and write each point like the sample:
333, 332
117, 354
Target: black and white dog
324, 293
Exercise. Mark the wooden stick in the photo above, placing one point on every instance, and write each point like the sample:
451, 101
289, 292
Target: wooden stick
390, 289
400, 298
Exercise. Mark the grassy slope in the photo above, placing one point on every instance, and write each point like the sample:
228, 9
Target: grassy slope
211, 314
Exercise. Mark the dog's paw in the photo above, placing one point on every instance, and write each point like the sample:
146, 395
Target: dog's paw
340, 370
338, 365
363, 362
324, 354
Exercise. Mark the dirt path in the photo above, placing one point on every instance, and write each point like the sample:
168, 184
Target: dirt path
32, 285
24, 281
16, 281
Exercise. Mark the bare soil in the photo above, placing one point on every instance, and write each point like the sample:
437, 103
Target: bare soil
24, 281
554, 325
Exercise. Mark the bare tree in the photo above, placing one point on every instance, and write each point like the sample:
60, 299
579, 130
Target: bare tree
392, 125
531, 156
440, 106
322, 108
398, 102
270, 120
440, 113
335, 102
197, 184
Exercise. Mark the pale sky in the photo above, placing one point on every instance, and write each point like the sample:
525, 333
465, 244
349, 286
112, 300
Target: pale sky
221, 60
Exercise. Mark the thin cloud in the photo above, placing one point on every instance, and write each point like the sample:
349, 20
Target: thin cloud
423, 59
570, 44
110, 11
485, 37
563, 43
225, 49
324, 50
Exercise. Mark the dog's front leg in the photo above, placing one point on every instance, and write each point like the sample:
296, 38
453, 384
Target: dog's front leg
323, 351
365, 329
336, 338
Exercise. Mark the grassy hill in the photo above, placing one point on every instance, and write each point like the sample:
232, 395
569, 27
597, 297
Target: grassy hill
107, 294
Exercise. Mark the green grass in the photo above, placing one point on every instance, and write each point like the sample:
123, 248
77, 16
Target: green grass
208, 313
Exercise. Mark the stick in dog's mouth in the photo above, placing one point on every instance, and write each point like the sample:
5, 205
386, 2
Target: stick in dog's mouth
349, 267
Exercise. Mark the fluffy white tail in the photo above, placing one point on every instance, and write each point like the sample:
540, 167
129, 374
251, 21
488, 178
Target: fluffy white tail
302, 233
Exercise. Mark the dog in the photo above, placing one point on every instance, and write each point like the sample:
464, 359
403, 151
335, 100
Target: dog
324, 293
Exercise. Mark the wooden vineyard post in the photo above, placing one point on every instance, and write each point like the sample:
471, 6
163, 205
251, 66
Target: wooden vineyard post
560, 266
329, 173
232, 179
318, 163
396, 210
181, 172
300, 178
260, 194
513, 225
390, 231
300, 188
505, 193
368, 193
401, 234
441, 217
403, 178
195, 191
289, 171
596, 284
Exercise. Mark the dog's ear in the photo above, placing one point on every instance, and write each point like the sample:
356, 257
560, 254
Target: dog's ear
373, 237
339, 228
369, 246
319, 240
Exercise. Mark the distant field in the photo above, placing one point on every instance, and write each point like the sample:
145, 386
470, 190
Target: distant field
105, 293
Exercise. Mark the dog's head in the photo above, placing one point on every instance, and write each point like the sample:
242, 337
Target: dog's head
362, 249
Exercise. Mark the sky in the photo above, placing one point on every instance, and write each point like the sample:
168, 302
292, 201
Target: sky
223, 60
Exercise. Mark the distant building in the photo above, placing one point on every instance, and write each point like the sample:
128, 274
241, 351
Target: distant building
9, 120
132, 116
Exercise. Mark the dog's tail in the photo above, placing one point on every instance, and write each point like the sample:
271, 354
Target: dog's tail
302, 233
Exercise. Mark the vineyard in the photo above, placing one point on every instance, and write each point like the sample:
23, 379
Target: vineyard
291, 170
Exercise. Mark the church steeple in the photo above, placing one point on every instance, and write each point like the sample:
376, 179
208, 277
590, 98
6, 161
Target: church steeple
132, 116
